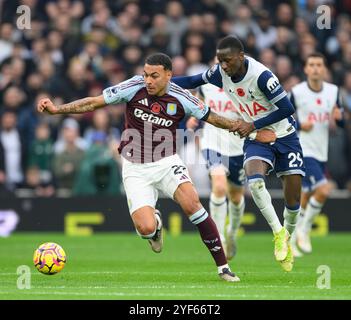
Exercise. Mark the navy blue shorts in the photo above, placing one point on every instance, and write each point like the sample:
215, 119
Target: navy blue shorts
284, 155
315, 174
232, 165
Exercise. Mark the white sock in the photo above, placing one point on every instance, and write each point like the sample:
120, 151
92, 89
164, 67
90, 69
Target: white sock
298, 226
263, 201
313, 208
222, 267
236, 212
218, 211
290, 218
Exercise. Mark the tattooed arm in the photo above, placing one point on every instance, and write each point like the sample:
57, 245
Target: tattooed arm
220, 122
77, 106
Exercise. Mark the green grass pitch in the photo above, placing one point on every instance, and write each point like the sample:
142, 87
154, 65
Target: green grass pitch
122, 266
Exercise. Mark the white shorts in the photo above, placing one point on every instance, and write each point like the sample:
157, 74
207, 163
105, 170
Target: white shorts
142, 181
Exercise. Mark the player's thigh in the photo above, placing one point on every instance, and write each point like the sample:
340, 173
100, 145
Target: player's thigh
187, 197
258, 158
139, 192
218, 167
236, 174
289, 156
173, 172
315, 175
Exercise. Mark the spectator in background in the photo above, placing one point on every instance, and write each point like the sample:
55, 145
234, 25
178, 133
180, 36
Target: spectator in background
284, 16
242, 23
178, 24
54, 46
40, 155
73, 9
283, 68
98, 173
34, 182
158, 36
2, 168
77, 81
68, 155
101, 123
193, 57
286, 43
265, 33
13, 150
346, 98
26, 118
179, 66
268, 57
7, 37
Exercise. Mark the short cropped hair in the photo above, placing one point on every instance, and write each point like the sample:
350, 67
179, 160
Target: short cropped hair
317, 55
159, 59
230, 42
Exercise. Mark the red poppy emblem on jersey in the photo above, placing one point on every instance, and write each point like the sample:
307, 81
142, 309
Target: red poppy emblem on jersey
240, 92
319, 101
156, 108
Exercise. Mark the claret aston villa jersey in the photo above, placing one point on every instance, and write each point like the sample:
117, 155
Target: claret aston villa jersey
151, 121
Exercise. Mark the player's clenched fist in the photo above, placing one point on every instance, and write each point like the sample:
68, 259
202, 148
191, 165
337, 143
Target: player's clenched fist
46, 105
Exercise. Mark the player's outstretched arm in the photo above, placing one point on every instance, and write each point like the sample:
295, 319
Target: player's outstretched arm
78, 106
221, 122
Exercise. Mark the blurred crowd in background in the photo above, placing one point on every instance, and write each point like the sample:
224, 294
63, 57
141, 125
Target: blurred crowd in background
76, 48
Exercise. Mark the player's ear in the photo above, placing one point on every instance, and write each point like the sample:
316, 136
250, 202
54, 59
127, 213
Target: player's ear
241, 55
169, 74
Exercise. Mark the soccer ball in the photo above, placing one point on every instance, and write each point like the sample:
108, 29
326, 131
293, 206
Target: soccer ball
49, 258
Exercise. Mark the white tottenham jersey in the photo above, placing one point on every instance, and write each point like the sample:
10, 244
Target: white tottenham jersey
316, 107
222, 141
249, 99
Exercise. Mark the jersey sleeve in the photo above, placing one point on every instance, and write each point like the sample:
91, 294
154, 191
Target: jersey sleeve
270, 87
192, 105
124, 91
276, 95
213, 76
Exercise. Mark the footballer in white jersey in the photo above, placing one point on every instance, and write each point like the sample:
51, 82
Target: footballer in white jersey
224, 142
263, 103
316, 103
223, 152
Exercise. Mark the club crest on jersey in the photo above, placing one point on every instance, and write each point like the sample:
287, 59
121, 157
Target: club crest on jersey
171, 109
251, 96
155, 108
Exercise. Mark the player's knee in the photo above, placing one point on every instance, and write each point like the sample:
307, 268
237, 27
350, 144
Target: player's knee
323, 192
258, 190
146, 229
236, 198
219, 185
